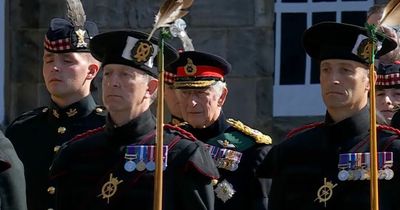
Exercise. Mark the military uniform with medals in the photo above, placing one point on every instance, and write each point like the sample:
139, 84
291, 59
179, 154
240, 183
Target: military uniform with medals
236, 148
113, 167
38, 134
326, 165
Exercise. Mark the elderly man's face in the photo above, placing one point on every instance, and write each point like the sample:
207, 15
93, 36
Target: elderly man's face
386, 101
201, 107
344, 84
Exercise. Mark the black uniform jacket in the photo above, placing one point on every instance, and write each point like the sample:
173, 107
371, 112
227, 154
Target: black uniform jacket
86, 167
251, 192
38, 134
12, 181
300, 164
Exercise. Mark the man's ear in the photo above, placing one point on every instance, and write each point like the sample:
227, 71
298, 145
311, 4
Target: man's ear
93, 69
152, 86
222, 98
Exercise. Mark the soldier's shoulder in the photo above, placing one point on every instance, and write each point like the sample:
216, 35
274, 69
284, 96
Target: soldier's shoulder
176, 130
303, 129
248, 132
29, 116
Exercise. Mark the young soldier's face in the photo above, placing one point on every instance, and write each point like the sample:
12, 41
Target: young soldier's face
68, 74
200, 107
344, 84
126, 89
386, 101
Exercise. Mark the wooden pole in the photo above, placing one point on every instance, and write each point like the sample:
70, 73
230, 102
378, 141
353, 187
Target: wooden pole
158, 178
374, 193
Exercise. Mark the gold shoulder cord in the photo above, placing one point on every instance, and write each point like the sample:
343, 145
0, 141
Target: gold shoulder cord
257, 135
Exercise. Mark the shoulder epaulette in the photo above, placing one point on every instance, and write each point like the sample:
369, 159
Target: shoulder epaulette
100, 110
86, 134
181, 131
255, 134
303, 128
30, 114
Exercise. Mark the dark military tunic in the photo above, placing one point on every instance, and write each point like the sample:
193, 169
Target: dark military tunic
38, 134
251, 192
85, 167
12, 181
300, 164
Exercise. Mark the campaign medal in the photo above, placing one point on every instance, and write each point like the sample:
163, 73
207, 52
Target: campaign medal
141, 166
343, 174
130, 155
364, 166
110, 188
165, 157
224, 190
357, 166
381, 171
388, 163
150, 166
325, 192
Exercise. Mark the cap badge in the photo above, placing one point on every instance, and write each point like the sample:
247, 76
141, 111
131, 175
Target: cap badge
190, 68
142, 51
365, 49
81, 38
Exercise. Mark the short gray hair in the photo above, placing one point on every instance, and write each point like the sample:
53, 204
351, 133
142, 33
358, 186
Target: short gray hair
218, 87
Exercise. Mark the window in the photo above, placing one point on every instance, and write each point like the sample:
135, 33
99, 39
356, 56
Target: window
2, 56
296, 82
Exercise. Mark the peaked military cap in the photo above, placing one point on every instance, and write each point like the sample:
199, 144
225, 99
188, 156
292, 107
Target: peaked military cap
330, 40
130, 48
199, 70
388, 76
72, 34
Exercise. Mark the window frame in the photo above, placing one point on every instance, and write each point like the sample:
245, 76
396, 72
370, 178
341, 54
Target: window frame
304, 99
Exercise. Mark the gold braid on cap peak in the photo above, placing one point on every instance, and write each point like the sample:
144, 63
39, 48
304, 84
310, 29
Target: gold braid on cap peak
194, 84
257, 135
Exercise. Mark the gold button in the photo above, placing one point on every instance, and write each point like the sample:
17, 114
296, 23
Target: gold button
51, 190
61, 130
56, 148
99, 110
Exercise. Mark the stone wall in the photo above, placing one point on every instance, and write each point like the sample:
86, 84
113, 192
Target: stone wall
242, 32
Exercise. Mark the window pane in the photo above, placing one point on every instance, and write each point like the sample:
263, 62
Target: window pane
356, 18
292, 53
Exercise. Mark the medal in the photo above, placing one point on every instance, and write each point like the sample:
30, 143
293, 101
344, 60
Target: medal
129, 166
343, 174
224, 191
141, 166
151, 166
325, 192
389, 174
130, 155
165, 157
